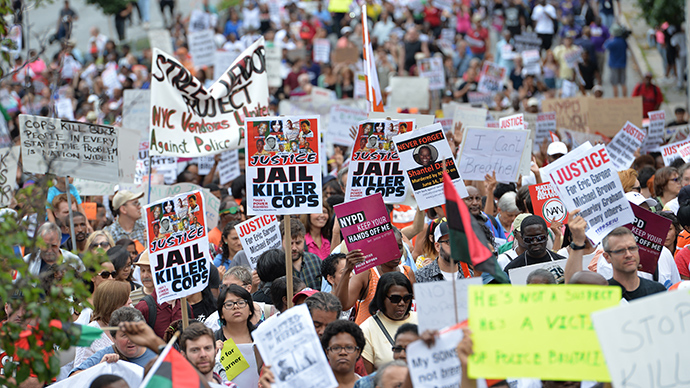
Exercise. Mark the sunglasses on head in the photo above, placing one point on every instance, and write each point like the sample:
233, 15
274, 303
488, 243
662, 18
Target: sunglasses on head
395, 299
232, 210
106, 274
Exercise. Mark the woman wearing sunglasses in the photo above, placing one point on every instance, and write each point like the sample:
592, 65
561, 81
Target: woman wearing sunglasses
99, 239
389, 310
666, 184
534, 235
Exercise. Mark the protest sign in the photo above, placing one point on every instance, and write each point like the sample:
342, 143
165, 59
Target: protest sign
130, 372
676, 133
273, 58
575, 139
178, 246
513, 331
479, 99
571, 113
9, 156
257, 235
432, 69
568, 89
199, 21
187, 120
232, 360
342, 119
229, 166
606, 115
518, 276
164, 165
222, 59
469, 117
485, 150
669, 152
586, 179
546, 122
418, 119
624, 145
512, 122
546, 203
71, 148
409, 92
531, 62
684, 152
650, 232
436, 305
135, 110
423, 154
160, 39
283, 170
436, 366
375, 163
322, 50
346, 55
655, 132
573, 56
527, 41
446, 124
202, 47
289, 343
491, 78
645, 343
365, 224
64, 109
204, 164
360, 86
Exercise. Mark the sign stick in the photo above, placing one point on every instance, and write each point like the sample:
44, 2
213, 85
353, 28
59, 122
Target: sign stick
455, 295
71, 216
148, 196
288, 259
185, 313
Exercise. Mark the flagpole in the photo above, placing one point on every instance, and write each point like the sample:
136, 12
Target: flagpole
288, 258
159, 360
365, 48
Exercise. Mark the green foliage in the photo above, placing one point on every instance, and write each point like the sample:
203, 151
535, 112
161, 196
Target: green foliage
656, 12
109, 7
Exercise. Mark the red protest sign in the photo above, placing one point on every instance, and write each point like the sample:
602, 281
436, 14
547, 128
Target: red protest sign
650, 232
547, 204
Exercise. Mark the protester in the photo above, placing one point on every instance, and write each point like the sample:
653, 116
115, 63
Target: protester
652, 96
306, 265
444, 267
533, 231
50, 236
129, 223
230, 246
343, 342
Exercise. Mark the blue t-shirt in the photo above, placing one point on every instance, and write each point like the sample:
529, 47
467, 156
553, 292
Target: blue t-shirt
617, 48
96, 358
54, 192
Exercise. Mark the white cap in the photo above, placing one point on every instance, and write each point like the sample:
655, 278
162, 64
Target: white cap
557, 147
638, 199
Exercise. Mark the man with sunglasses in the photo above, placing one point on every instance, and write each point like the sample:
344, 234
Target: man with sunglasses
443, 268
229, 211
534, 233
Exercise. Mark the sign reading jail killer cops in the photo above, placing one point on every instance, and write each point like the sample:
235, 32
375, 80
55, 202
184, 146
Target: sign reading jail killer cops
546, 203
422, 154
439, 365
586, 179
646, 342
541, 332
71, 148
375, 164
650, 232
283, 170
257, 235
365, 225
188, 120
178, 246
485, 150
623, 146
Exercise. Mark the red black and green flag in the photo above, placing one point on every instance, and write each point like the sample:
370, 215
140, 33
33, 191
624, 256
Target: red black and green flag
79, 335
172, 370
468, 242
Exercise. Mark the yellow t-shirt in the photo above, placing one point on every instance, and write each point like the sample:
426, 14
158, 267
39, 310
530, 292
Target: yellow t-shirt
378, 350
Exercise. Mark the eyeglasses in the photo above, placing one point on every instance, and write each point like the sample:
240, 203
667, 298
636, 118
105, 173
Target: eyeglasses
399, 349
395, 299
637, 188
349, 349
442, 242
535, 239
230, 305
618, 252
106, 274
232, 210
103, 245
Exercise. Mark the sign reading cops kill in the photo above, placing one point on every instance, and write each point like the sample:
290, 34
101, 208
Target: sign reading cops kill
178, 246
188, 120
375, 166
282, 165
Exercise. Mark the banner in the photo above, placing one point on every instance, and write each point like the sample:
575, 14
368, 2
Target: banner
436, 306
546, 122
432, 69
229, 166
9, 156
541, 332
188, 121
202, 47
422, 154
670, 153
342, 119
257, 235
178, 246
436, 366
322, 50
650, 232
365, 224
375, 164
283, 167
512, 122
71, 148
518, 276
485, 150
624, 145
135, 110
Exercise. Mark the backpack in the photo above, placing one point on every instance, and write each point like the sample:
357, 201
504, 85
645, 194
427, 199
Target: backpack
153, 310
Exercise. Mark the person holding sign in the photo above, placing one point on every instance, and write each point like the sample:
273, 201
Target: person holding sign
534, 234
343, 342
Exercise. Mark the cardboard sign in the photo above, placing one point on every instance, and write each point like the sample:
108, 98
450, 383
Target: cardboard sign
90, 210
670, 151
409, 92
623, 146
422, 155
435, 366
432, 69
347, 55
645, 342
257, 235
541, 332
232, 360
9, 157
546, 123
365, 225
435, 303
485, 150
547, 204
491, 78
178, 246
650, 232
322, 50
202, 47
446, 124
512, 122
518, 276
586, 179
136, 109
229, 166
283, 167
655, 132
606, 115
160, 39
375, 164
71, 148
571, 113
342, 119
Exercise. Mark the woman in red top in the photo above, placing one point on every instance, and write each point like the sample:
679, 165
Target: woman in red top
478, 37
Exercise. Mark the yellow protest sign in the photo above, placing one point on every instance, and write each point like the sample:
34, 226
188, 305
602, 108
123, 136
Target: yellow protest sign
542, 332
232, 360
339, 6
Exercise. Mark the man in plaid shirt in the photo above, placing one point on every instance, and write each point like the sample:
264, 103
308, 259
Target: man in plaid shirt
305, 265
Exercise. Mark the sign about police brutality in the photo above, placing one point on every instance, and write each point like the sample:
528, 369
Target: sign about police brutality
624, 145
178, 245
71, 148
365, 225
650, 232
432, 68
670, 151
513, 331
257, 235
422, 155
491, 78
188, 120
375, 164
436, 306
646, 342
439, 365
485, 150
283, 168
547, 204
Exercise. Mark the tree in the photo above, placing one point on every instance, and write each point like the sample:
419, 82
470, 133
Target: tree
656, 12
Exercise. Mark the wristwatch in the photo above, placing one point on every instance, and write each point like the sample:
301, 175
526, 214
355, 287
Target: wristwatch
576, 247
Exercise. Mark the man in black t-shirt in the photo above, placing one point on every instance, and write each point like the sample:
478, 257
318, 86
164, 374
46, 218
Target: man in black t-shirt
535, 235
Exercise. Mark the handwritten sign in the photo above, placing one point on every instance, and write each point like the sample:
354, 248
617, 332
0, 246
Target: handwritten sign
512, 122
546, 122
436, 366
518, 276
232, 360
547, 204
541, 332
485, 150
435, 303
257, 235
571, 113
9, 156
624, 145
650, 232
342, 119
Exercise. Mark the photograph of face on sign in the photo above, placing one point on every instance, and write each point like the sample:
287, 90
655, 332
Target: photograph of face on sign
175, 215
425, 155
376, 135
282, 135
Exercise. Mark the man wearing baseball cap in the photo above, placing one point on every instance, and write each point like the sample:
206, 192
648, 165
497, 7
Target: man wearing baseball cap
129, 224
443, 268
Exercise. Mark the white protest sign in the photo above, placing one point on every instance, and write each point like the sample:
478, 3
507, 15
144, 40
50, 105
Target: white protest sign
360, 86
204, 164
164, 165
655, 133
273, 58
432, 68
257, 235
229, 166
9, 156
136, 110
518, 276
568, 89
435, 303
222, 59
670, 151
586, 179
202, 47
684, 152
491, 78
130, 372
71, 148
485, 150
512, 122
436, 366
64, 109
188, 120
645, 343
289, 342
546, 122
409, 92
342, 119
322, 50
623, 146
178, 246
161, 40
199, 21
469, 117
127, 155
422, 155
530, 62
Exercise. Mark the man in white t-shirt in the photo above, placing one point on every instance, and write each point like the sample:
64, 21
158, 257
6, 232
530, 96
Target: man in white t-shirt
544, 16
